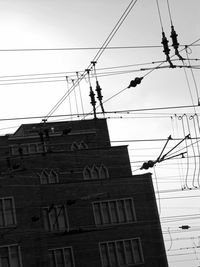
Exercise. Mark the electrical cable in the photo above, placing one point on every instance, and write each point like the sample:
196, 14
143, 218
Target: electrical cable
169, 11
180, 176
186, 147
195, 162
83, 48
108, 112
98, 55
198, 126
55, 74
115, 29
105, 74
75, 98
80, 94
148, 74
158, 193
198, 149
194, 80
70, 106
189, 88
159, 14
171, 57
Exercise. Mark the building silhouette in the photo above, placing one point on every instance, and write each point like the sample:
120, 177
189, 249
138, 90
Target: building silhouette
68, 199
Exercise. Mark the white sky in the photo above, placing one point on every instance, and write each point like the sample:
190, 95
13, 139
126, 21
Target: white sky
64, 24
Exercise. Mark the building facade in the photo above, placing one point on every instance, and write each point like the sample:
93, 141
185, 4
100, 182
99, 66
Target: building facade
69, 199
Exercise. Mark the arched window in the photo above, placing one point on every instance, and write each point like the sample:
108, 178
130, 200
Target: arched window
103, 172
48, 176
95, 172
74, 146
87, 175
83, 145
44, 177
53, 177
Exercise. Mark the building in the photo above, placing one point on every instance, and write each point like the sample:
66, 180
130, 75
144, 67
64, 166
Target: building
68, 199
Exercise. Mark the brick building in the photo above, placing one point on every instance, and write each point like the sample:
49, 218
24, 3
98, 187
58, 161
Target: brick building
68, 199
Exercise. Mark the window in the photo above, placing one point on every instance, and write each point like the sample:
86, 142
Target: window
78, 146
27, 148
114, 211
61, 257
121, 252
48, 176
74, 146
55, 218
83, 145
7, 212
10, 256
95, 172
14, 150
87, 173
103, 172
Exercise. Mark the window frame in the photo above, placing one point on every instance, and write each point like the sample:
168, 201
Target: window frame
47, 220
98, 169
26, 148
8, 247
6, 225
117, 212
48, 173
63, 255
124, 249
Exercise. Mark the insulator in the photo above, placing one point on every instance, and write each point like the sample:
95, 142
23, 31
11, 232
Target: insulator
92, 96
135, 82
184, 227
99, 95
174, 35
147, 165
93, 102
165, 44
98, 89
151, 163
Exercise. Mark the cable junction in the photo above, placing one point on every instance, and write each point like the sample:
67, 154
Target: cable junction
151, 163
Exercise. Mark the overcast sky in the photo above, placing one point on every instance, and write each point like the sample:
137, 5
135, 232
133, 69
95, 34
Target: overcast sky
26, 24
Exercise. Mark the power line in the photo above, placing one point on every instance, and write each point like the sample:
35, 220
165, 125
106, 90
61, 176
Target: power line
85, 48
65, 73
97, 56
103, 74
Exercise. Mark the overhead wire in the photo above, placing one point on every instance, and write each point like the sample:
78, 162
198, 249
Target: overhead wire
153, 69
33, 79
70, 105
193, 150
80, 94
186, 147
193, 76
108, 112
98, 55
158, 193
198, 127
198, 149
99, 70
180, 174
115, 29
83, 48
